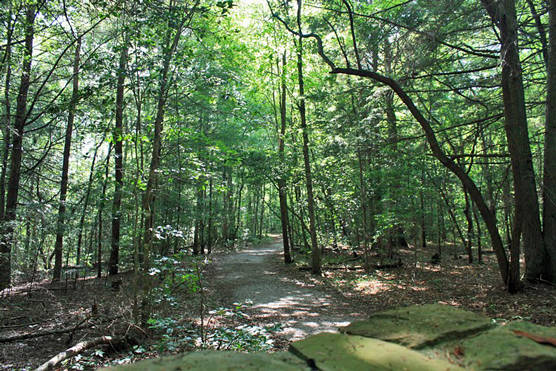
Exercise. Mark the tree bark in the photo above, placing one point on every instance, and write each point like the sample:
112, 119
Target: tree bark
150, 191
282, 190
7, 229
85, 206
77, 349
315, 251
118, 160
60, 229
549, 176
503, 15
7, 118
100, 210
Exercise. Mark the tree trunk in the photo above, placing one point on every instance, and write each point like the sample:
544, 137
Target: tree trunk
261, 217
209, 237
549, 185
60, 229
198, 246
503, 14
7, 229
150, 191
315, 251
117, 138
469, 218
479, 238
85, 205
100, 210
282, 189
225, 206
7, 118
437, 151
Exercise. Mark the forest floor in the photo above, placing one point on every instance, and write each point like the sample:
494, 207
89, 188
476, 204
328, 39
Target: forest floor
250, 301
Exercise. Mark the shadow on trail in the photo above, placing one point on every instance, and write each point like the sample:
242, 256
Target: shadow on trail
302, 308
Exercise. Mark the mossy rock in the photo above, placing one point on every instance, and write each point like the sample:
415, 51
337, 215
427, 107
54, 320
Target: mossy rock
336, 352
502, 349
420, 326
219, 361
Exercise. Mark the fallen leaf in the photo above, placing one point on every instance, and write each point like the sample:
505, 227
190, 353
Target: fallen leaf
536, 338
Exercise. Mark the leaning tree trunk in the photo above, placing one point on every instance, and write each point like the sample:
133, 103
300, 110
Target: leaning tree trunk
58, 246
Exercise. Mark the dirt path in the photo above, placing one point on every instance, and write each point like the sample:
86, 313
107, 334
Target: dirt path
279, 294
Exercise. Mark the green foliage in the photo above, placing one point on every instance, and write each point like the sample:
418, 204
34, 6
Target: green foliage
242, 338
175, 336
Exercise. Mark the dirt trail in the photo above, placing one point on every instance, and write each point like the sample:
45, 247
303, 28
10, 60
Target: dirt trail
279, 294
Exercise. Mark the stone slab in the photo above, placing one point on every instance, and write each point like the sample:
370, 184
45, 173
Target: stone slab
340, 352
219, 361
502, 349
420, 326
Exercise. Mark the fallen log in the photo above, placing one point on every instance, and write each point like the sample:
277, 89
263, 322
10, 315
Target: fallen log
335, 268
44, 333
354, 268
77, 349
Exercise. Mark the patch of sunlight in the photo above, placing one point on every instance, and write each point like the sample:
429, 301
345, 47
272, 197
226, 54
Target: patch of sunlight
451, 302
373, 287
419, 288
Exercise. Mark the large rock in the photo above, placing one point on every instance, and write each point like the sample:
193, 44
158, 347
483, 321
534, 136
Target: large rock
502, 349
338, 352
421, 325
219, 361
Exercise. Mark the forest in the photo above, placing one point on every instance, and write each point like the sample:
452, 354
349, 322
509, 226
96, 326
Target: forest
399, 140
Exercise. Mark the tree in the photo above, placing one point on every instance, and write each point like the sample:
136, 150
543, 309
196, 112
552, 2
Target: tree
282, 191
432, 140
7, 228
171, 43
315, 251
118, 139
549, 175
58, 247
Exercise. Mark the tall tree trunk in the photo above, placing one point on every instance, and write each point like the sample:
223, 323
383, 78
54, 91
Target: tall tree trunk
7, 229
100, 211
225, 206
503, 14
85, 205
60, 229
231, 214
437, 151
315, 251
282, 190
117, 138
549, 185
364, 214
199, 225
150, 191
261, 219
7, 118
209, 237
